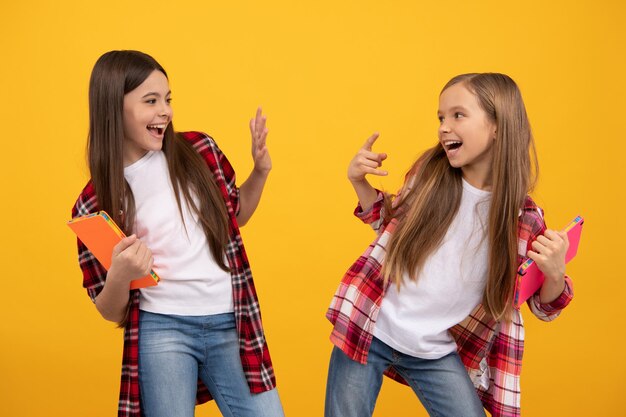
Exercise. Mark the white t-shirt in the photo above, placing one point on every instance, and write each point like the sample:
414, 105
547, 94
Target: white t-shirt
415, 320
191, 283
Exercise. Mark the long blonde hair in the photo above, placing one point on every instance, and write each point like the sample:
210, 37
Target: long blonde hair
426, 209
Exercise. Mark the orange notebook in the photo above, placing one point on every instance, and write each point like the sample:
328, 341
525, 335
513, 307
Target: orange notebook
530, 278
100, 234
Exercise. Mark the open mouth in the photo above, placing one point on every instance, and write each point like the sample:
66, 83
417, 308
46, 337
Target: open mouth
451, 145
157, 129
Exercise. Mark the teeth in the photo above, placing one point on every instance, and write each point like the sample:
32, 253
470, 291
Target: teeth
450, 143
156, 126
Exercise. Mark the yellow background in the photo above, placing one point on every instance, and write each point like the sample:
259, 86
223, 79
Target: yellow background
328, 73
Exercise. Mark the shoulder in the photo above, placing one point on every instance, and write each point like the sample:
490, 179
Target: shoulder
87, 201
531, 219
201, 141
206, 146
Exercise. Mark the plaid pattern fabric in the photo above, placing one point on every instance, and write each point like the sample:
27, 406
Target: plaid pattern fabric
255, 357
491, 351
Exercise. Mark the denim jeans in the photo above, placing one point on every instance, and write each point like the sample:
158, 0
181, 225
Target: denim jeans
442, 385
175, 350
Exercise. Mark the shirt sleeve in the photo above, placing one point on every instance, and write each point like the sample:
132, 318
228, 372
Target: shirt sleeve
94, 274
548, 311
230, 179
373, 216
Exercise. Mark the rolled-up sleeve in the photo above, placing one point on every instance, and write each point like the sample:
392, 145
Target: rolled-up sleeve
550, 311
373, 216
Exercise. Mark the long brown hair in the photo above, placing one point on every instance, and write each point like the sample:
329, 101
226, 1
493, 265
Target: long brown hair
115, 74
432, 194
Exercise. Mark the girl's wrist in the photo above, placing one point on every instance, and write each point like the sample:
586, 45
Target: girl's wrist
358, 181
116, 277
264, 172
555, 278
551, 291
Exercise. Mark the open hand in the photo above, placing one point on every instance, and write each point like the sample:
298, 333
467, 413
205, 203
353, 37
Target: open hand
260, 154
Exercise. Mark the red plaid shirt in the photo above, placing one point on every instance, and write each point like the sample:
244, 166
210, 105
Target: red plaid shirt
491, 351
255, 357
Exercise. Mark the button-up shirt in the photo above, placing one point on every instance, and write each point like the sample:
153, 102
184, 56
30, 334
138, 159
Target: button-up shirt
255, 357
491, 351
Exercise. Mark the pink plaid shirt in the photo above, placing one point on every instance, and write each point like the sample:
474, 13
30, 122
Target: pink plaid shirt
255, 357
491, 351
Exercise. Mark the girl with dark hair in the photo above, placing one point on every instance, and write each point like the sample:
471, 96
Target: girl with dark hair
198, 334
430, 302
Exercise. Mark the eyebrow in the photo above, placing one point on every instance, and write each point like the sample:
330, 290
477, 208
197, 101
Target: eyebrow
454, 108
156, 94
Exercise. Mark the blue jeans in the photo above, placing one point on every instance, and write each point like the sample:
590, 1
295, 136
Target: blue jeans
174, 351
442, 385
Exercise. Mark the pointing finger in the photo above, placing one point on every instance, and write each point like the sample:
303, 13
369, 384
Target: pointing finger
370, 141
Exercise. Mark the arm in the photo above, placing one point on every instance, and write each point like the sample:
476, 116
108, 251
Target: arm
131, 260
366, 162
251, 190
548, 251
110, 290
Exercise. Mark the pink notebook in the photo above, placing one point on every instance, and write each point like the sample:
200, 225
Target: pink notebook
530, 278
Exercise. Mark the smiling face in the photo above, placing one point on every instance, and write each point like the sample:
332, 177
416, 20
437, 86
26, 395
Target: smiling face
147, 112
467, 134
